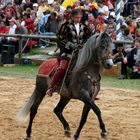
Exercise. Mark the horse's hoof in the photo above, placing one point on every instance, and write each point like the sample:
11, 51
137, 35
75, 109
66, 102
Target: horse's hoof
104, 135
75, 137
27, 138
67, 133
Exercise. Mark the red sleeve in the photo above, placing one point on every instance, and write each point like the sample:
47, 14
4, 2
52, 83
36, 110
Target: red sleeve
6, 29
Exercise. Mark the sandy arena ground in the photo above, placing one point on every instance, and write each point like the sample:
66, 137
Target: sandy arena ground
120, 110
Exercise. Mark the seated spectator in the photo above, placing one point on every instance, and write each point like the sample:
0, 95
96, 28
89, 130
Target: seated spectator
35, 7
112, 17
112, 33
101, 24
9, 8
91, 23
50, 5
128, 5
35, 20
16, 5
85, 9
110, 4
53, 23
137, 32
131, 26
86, 6
43, 7
18, 15
120, 36
118, 53
3, 30
28, 4
12, 28
137, 10
28, 22
129, 61
122, 21
8, 16
1, 4
67, 13
138, 22
127, 37
103, 9
14, 40
94, 8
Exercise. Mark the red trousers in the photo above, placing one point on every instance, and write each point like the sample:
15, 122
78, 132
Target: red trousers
60, 72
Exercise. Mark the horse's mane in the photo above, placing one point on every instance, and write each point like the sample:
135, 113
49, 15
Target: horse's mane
88, 52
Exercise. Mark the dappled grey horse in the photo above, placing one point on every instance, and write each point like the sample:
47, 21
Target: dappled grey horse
82, 84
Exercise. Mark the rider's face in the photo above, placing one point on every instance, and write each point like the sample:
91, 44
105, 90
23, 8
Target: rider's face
77, 18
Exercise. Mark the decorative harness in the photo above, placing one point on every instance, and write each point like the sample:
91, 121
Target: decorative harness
94, 83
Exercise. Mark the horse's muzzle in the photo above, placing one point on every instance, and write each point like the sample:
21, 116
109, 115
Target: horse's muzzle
109, 63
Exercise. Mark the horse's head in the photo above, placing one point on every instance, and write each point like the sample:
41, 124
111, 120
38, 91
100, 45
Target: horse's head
137, 58
97, 50
104, 50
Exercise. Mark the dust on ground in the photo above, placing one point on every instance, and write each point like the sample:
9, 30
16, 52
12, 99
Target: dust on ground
120, 110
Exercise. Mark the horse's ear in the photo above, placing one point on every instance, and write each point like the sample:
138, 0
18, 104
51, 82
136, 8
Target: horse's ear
105, 30
110, 34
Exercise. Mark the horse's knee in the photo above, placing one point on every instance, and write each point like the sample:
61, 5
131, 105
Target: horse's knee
56, 110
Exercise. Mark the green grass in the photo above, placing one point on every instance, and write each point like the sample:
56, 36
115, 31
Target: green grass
30, 71
19, 70
111, 81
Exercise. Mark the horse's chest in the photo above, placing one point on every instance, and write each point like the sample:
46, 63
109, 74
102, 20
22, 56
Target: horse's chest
93, 84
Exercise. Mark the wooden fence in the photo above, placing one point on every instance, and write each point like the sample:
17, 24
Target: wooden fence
30, 37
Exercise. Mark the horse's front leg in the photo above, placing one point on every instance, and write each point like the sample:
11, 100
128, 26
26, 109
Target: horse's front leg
85, 112
89, 102
58, 111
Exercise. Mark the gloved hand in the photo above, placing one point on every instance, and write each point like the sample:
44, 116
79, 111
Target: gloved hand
70, 45
73, 46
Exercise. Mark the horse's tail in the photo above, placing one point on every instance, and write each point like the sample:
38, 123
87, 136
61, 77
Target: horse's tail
24, 111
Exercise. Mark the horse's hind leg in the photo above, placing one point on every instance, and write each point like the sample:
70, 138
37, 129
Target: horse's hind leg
40, 90
58, 111
85, 112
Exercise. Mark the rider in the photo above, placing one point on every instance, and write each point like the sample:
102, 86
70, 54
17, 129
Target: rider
71, 36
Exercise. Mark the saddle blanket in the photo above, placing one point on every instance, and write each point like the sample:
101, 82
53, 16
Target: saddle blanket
48, 67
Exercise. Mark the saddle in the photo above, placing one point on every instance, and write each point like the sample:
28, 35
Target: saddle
48, 67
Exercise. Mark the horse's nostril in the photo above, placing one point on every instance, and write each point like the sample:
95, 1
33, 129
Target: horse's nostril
108, 65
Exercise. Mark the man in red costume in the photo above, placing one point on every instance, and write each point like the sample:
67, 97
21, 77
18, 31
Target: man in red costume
74, 33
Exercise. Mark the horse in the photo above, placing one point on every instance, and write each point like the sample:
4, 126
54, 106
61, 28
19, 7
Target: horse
82, 84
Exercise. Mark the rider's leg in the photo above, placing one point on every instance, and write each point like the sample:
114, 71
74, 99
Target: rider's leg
58, 75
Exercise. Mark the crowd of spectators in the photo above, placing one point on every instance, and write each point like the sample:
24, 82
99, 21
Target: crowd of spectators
46, 16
